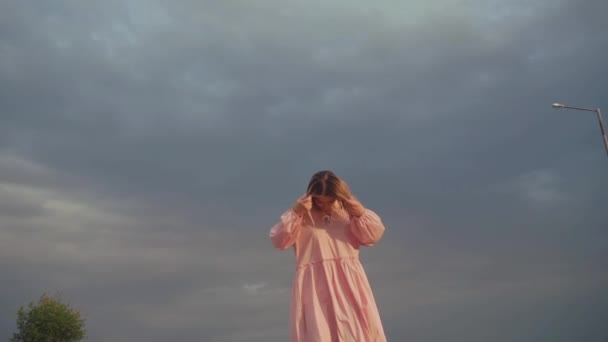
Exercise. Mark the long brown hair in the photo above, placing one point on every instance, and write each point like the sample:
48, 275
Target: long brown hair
327, 183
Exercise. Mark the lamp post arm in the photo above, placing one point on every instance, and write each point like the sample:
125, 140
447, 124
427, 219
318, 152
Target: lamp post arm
579, 108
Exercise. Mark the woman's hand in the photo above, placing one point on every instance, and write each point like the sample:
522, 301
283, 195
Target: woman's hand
353, 207
302, 205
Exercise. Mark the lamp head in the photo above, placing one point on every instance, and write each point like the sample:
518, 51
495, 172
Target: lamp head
558, 105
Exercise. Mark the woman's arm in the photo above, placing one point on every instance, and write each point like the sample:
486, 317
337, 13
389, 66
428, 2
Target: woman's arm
285, 232
365, 224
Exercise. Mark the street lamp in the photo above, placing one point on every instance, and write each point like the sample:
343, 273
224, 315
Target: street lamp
599, 119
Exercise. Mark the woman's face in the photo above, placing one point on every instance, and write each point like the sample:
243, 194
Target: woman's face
325, 203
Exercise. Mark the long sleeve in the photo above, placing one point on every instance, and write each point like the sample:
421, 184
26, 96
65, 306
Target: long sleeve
367, 229
285, 232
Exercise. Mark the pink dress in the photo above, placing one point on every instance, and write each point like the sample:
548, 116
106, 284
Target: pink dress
331, 297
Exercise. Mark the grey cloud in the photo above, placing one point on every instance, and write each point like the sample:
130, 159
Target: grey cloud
195, 150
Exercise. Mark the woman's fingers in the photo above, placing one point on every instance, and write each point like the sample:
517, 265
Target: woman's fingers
306, 201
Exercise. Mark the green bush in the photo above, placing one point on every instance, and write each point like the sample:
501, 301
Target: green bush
49, 320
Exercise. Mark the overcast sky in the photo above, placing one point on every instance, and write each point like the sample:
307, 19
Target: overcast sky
147, 147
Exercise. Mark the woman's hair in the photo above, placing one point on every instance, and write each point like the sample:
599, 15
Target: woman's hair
326, 183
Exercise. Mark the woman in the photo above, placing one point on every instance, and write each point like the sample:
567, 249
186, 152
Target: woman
331, 297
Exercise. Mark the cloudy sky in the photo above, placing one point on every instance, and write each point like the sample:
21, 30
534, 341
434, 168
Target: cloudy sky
147, 147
